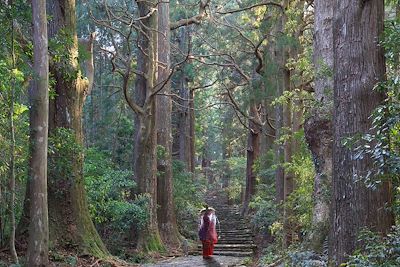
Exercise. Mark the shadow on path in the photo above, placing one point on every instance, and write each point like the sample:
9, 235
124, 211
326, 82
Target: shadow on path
198, 261
212, 262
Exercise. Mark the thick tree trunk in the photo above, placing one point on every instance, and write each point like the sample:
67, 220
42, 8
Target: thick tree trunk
318, 126
38, 245
185, 128
184, 109
70, 222
253, 152
145, 158
166, 209
358, 66
145, 170
280, 83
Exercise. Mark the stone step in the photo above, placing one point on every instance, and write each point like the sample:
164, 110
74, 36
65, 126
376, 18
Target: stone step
249, 250
223, 211
233, 253
227, 253
232, 246
233, 230
233, 227
236, 228
230, 232
235, 235
235, 242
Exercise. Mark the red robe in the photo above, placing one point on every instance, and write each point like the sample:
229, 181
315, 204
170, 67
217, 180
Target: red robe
208, 233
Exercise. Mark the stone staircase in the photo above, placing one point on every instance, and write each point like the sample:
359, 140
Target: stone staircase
235, 238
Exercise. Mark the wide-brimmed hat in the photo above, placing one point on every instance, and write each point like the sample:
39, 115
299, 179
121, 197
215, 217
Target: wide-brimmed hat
209, 208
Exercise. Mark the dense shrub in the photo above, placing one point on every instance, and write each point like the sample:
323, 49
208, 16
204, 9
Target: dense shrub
111, 203
301, 201
265, 208
377, 251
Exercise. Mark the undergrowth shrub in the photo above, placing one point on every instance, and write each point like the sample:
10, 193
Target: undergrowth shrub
300, 201
111, 204
263, 204
377, 250
266, 212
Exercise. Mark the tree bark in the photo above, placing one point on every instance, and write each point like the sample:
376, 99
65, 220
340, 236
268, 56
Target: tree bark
358, 65
253, 152
280, 83
70, 222
38, 244
184, 108
318, 126
145, 158
166, 209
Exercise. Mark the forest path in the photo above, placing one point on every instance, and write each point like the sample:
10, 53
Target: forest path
198, 261
235, 245
235, 236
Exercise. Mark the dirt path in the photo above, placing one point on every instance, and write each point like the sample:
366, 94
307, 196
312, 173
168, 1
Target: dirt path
197, 261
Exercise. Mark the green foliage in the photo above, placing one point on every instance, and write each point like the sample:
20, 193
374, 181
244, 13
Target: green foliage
264, 205
233, 169
60, 48
62, 149
377, 251
188, 198
13, 85
300, 201
109, 189
266, 210
161, 152
269, 256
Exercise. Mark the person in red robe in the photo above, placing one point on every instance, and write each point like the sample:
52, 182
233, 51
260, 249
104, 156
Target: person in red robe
207, 231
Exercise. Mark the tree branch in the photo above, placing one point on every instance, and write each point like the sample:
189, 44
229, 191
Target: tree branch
192, 20
269, 3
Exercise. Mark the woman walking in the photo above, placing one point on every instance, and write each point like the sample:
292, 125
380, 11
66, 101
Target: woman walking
207, 231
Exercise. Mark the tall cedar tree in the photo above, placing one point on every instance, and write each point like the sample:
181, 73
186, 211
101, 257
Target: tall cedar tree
358, 65
318, 126
166, 210
70, 222
38, 245
145, 158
